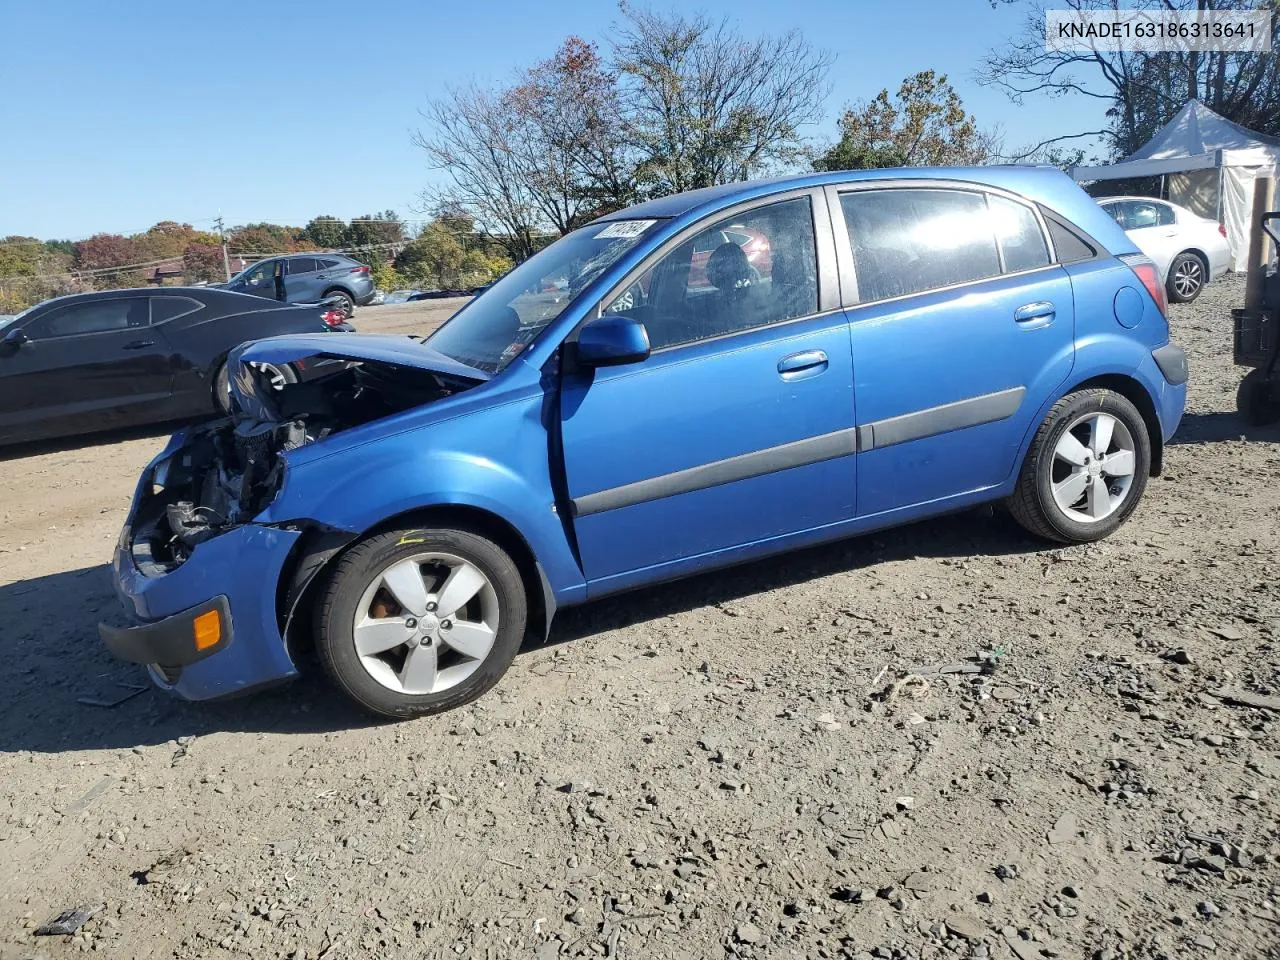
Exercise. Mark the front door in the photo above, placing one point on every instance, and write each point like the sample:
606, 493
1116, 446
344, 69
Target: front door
738, 427
95, 364
963, 328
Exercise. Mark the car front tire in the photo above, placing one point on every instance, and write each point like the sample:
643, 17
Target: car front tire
418, 621
1086, 468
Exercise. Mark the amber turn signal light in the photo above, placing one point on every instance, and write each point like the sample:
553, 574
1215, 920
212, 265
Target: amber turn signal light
208, 630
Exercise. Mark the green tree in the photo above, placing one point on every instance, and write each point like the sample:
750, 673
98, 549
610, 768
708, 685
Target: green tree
924, 124
375, 237
326, 232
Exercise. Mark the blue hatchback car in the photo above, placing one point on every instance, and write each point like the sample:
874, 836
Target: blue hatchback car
690, 383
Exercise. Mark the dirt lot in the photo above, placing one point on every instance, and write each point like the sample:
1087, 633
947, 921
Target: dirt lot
725, 767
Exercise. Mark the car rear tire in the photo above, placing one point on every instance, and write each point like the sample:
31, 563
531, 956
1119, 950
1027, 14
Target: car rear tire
1258, 399
385, 637
1187, 277
1086, 469
347, 306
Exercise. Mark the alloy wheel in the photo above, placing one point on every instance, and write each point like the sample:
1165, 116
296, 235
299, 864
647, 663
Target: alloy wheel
1093, 466
425, 623
1188, 277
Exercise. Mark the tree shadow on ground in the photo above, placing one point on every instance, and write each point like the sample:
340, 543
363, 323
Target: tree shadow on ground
54, 659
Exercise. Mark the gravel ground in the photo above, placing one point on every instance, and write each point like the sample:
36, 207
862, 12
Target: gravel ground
737, 765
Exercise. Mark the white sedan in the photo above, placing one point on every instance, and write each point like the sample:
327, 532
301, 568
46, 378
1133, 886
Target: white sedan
1189, 250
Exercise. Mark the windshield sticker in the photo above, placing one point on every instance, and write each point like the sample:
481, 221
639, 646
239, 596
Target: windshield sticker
625, 229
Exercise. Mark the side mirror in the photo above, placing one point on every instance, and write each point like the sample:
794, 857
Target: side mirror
610, 341
13, 339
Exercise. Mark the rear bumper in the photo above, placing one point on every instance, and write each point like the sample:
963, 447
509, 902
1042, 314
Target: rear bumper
236, 574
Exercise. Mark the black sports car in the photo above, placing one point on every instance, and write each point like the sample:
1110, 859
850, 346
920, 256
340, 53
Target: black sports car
119, 358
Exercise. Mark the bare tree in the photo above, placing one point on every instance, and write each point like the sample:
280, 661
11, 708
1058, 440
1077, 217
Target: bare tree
685, 103
1141, 91
705, 105
472, 139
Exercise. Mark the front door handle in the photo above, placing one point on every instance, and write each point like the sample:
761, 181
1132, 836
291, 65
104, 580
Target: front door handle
807, 363
1038, 314
139, 344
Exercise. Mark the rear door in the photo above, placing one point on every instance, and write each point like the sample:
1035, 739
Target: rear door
738, 428
961, 326
86, 366
1153, 227
300, 283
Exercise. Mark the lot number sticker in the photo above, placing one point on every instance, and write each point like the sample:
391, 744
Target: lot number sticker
625, 229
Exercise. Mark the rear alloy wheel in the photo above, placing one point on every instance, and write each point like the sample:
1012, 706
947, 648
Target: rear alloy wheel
345, 303
420, 621
1086, 469
1187, 277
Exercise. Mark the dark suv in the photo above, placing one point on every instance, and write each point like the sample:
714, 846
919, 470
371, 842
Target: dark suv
307, 278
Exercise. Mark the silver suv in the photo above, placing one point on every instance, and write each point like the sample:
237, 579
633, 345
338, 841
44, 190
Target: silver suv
308, 278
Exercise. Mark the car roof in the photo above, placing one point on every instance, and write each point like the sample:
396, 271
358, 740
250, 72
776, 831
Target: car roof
1043, 184
148, 292
1006, 176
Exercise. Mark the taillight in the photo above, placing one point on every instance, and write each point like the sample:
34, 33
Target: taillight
1222, 229
1150, 277
333, 318
361, 269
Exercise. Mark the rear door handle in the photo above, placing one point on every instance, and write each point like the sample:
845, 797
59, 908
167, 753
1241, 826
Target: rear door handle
139, 344
807, 363
1038, 314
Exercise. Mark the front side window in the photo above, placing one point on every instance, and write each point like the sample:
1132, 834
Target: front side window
910, 240
494, 329
96, 317
259, 273
746, 271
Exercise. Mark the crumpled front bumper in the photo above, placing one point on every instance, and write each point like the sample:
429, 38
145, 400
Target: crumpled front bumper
242, 567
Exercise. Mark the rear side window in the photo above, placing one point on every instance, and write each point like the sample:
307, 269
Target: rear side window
1019, 234
326, 264
907, 241
302, 265
166, 308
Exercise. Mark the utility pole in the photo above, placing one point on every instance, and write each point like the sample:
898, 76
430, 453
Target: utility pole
226, 260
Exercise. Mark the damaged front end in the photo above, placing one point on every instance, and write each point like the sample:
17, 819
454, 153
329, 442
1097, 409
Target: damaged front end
222, 474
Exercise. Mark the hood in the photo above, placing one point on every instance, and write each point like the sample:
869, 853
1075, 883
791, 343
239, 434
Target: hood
402, 350
322, 354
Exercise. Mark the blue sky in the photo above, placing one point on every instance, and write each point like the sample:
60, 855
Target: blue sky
116, 115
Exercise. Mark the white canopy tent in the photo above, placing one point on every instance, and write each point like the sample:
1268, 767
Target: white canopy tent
1209, 165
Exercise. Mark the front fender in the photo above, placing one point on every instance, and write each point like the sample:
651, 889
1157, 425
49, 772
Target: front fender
469, 462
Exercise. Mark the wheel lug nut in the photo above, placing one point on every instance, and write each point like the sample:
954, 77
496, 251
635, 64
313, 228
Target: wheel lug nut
431, 606
446, 624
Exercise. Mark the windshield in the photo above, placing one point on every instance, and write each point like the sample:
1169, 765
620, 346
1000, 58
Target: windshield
491, 331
